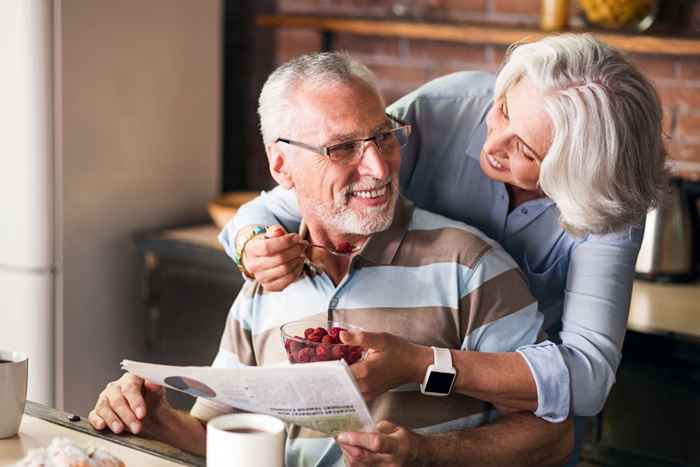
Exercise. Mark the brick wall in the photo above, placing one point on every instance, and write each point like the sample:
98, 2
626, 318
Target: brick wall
404, 64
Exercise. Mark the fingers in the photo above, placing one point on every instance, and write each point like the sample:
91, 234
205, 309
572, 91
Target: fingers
354, 457
374, 442
275, 262
385, 427
271, 247
275, 230
361, 372
104, 411
365, 339
96, 421
278, 277
120, 405
154, 388
131, 390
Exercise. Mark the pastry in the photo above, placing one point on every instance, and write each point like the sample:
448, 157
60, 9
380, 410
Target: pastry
65, 453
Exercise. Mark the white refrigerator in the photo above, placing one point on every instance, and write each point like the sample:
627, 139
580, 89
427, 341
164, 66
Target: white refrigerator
28, 266
109, 125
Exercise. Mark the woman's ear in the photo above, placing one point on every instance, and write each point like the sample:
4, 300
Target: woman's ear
279, 166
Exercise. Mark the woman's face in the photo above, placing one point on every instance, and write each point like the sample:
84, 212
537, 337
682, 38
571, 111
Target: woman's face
519, 135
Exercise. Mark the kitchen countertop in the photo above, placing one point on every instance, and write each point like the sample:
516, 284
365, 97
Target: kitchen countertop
41, 424
666, 309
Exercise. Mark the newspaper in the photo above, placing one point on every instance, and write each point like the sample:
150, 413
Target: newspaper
322, 396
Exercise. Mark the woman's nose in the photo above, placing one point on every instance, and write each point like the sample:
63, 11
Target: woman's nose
496, 134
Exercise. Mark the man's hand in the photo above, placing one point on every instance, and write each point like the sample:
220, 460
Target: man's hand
131, 403
390, 446
275, 260
390, 361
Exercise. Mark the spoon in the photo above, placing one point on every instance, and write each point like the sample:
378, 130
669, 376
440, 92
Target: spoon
349, 250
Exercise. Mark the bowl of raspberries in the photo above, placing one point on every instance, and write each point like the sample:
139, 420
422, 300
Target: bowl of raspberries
318, 341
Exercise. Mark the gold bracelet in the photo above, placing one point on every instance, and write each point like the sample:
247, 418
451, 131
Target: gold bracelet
255, 232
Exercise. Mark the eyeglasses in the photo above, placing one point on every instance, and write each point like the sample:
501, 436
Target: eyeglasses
350, 152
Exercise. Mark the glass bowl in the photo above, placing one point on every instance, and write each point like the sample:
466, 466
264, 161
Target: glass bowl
318, 341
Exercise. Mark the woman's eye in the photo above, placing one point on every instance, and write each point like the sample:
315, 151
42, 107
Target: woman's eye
524, 153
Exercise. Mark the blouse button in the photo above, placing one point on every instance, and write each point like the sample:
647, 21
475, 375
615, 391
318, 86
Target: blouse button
523, 210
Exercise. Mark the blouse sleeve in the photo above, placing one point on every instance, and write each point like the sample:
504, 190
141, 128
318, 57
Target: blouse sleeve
278, 206
577, 374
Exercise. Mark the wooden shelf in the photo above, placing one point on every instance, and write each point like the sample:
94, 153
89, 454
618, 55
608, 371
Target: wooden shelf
475, 33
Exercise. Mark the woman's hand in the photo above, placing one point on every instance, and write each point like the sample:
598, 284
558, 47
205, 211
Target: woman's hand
390, 361
275, 260
389, 446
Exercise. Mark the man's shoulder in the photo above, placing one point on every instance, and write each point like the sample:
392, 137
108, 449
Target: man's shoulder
433, 236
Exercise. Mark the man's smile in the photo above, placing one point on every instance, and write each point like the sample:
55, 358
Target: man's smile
371, 196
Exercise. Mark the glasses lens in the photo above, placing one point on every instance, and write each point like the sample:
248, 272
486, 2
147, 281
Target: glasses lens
344, 152
402, 135
386, 141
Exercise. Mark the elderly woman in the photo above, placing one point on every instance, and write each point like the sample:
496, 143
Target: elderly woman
558, 160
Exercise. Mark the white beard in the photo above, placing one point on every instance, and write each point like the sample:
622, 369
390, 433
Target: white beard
340, 217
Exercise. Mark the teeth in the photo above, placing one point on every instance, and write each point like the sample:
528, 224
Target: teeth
371, 193
494, 162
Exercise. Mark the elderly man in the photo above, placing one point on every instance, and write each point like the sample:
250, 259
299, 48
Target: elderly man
434, 282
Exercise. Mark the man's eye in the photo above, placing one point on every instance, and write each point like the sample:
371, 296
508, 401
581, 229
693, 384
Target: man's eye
343, 149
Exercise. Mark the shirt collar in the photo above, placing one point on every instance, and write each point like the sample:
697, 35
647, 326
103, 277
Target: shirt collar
381, 247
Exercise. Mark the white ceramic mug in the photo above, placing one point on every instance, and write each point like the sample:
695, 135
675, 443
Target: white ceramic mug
14, 368
245, 440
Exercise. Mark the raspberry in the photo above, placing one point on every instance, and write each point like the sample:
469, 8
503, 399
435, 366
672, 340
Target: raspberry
308, 332
328, 340
323, 353
304, 355
295, 346
315, 337
336, 352
321, 331
344, 247
354, 355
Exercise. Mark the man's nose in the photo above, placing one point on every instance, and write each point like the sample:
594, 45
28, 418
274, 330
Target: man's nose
372, 162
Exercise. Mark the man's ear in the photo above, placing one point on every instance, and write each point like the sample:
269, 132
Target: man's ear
279, 166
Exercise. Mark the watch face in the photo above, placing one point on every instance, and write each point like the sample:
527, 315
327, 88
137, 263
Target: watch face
439, 382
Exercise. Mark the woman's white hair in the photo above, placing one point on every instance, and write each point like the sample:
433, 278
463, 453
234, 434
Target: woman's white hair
605, 166
312, 71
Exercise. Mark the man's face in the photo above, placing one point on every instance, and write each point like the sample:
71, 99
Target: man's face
343, 198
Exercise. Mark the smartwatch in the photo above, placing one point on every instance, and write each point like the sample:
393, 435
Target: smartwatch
440, 376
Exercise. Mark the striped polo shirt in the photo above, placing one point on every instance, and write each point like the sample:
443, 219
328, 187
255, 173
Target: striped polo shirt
428, 279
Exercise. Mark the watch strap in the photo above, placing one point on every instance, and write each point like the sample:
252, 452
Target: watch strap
442, 359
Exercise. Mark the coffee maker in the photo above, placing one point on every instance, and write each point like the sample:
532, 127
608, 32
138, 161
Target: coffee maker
670, 250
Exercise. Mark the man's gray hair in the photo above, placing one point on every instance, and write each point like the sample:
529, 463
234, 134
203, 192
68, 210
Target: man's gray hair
313, 70
605, 166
